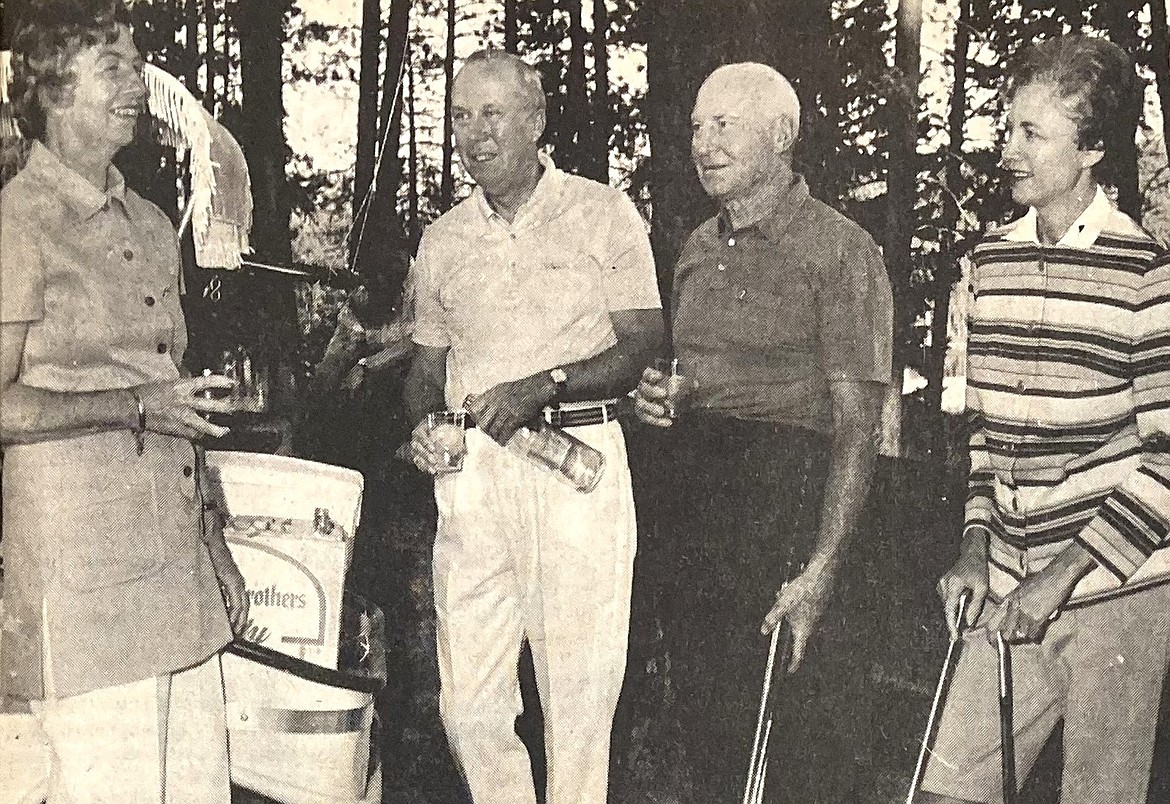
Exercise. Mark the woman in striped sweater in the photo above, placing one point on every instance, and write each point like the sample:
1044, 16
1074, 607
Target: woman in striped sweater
1062, 550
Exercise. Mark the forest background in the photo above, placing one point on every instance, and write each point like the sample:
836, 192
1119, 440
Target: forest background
343, 111
342, 108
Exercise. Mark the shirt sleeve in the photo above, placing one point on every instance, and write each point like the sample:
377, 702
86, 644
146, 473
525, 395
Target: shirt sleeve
430, 327
22, 273
1135, 518
855, 315
629, 278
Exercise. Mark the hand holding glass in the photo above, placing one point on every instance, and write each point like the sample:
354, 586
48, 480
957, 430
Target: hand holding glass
446, 429
676, 383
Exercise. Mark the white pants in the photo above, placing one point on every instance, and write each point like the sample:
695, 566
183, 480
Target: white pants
162, 740
520, 554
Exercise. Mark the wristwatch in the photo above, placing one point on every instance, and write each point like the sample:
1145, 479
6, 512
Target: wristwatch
560, 381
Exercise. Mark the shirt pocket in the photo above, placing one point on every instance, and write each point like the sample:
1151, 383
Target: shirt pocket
109, 528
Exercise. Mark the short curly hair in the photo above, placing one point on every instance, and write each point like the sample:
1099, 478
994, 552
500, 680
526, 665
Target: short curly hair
1097, 81
46, 36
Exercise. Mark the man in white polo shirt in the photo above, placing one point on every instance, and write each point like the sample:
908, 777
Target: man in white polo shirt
537, 290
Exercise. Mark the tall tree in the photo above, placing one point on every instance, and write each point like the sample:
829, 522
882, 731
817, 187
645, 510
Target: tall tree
575, 129
383, 229
902, 170
511, 32
367, 117
447, 188
267, 300
1160, 62
947, 268
602, 125
1121, 23
414, 230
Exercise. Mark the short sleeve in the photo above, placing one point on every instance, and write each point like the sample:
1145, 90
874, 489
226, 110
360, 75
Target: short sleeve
855, 313
630, 281
430, 326
22, 273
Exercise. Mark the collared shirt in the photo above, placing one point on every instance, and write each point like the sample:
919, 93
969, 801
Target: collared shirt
102, 547
767, 316
115, 324
1068, 386
513, 299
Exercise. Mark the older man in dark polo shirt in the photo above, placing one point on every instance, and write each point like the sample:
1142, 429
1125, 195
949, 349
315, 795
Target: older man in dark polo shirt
782, 317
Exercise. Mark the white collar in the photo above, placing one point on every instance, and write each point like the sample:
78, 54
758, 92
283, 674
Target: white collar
1082, 234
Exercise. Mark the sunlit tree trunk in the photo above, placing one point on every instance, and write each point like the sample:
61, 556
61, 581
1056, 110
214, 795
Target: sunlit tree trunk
947, 269
902, 169
447, 186
415, 225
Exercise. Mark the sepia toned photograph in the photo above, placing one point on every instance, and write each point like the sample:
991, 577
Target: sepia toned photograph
584, 402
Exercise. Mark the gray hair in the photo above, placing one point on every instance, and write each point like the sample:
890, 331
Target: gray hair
527, 76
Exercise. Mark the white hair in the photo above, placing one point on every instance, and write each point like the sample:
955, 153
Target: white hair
776, 93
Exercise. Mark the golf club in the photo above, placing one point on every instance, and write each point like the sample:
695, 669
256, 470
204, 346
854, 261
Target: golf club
944, 681
753, 789
1007, 745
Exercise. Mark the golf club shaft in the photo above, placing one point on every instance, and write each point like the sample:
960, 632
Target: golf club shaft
1006, 733
761, 770
756, 743
935, 706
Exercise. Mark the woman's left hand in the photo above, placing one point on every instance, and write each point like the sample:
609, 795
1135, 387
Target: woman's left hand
231, 580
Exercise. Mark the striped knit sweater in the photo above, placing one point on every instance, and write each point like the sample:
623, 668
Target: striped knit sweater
1068, 388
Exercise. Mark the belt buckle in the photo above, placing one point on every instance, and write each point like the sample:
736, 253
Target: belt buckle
552, 416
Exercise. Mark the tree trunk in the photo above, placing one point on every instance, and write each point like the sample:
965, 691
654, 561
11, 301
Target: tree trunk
947, 269
267, 301
602, 125
1160, 62
902, 173
544, 35
575, 121
511, 32
447, 185
384, 227
367, 119
415, 225
191, 31
1121, 24
210, 95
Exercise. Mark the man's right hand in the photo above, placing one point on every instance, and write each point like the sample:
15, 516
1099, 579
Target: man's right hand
650, 397
969, 574
424, 452
174, 407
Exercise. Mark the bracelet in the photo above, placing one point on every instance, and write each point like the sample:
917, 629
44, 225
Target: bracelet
140, 430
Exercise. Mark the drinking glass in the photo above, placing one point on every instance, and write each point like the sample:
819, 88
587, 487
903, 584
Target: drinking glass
446, 428
677, 384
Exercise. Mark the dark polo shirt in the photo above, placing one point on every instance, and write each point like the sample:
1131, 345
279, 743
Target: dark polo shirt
765, 317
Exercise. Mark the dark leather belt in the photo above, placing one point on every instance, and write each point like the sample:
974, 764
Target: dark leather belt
574, 414
582, 414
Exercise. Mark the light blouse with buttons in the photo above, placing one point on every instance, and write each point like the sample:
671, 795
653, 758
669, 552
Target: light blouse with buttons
94, 275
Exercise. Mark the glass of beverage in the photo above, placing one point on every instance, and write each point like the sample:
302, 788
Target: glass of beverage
446, 428
677, 384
